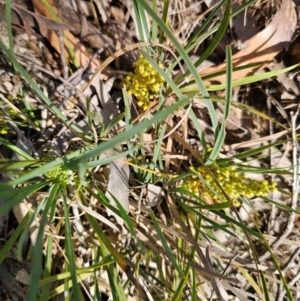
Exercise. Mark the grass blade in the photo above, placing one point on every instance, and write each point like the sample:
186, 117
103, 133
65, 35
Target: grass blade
219, 141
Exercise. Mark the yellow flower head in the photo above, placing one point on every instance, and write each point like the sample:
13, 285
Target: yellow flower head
232, 182
144, 83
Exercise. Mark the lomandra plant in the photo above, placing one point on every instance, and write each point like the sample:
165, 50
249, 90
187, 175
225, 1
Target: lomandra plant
144, 83
172, 242
209, 184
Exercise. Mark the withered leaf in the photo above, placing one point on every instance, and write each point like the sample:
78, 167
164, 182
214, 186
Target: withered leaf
23, 17
263, 47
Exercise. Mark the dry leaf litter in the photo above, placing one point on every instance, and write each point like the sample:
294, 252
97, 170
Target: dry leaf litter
68, 93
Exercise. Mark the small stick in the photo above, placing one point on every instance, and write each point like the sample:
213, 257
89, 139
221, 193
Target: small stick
281, 290
296, 160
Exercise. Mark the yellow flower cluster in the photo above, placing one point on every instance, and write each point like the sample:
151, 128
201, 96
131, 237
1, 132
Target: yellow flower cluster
57, 174
144, 83
233, 183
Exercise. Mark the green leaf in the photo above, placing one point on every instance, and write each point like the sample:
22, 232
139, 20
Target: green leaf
37, 256
188, 62
77, 295
219, 140
16, 233
165, 245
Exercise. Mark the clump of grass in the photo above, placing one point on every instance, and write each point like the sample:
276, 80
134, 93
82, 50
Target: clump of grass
235, 184
28, 112
172, 244
144, 83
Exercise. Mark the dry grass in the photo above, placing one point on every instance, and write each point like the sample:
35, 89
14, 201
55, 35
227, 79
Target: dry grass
98, 192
